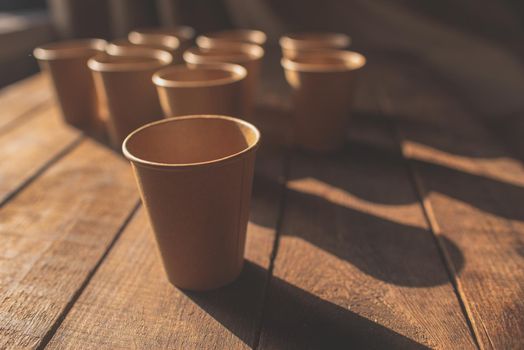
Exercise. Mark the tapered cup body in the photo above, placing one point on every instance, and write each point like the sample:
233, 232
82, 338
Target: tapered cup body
216, 39
247, 55
294, 44
66, 64
206, 89
125, 85
195, 176
323, 84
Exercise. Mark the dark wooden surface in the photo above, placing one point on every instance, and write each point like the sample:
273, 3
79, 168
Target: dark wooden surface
411, 237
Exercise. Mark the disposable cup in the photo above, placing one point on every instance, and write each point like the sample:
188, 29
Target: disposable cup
184, 34
206, 89
323, 85
215, 39
129, 95
195, 176
307, 42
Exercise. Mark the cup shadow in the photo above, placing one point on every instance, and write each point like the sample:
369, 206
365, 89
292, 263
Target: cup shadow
358, 160
292, 318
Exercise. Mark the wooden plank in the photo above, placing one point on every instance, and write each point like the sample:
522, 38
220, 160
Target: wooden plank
30, 146
473, 192
19, 99
53, 234
357, 266
129, 302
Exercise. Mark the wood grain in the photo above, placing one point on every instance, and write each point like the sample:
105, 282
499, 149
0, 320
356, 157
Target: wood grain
30, 146
130, 304
19, 99
474, 191
53, 234
357, 266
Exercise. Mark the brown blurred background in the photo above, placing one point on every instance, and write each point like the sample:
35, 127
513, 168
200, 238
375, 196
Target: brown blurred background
478, 45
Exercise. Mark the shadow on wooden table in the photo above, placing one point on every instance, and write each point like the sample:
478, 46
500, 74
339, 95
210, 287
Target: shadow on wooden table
293, 318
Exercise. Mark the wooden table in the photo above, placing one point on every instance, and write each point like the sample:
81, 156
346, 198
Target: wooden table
411, 237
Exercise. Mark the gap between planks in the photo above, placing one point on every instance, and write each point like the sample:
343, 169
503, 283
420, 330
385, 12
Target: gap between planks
385, 105
274, 251
52, 330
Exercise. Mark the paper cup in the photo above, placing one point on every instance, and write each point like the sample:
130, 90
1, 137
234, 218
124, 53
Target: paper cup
215, 39
247, 55
195, 175
322, 86
129, 94
299, 43
66, 64
159, 42
184, 34
206, 89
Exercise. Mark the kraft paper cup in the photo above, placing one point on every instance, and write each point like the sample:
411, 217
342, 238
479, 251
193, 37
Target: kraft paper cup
247, 55
195, 175
322, 86
215, 39
206, 89
300, 43
66, 64
125, 83
184, 34
159, 42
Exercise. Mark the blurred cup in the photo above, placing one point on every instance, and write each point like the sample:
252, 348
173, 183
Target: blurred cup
160, 42
206, 89
215, 39
184, 34
323, 85
195, 176
66, 64
248, 56
124, 82
297, 43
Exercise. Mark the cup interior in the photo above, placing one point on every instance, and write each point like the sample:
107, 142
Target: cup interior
182, 76
191, 140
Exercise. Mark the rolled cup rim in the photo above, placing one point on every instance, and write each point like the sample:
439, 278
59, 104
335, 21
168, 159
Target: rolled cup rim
237, 73
184, 166
252, 36
183, 33
162, 58
245, 53
294, 64
68, 49
303, 40
167, 41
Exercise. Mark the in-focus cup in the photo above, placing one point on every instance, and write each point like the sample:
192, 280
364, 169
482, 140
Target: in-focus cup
323, 85
184, 34
195, 175
206, 89
308, 42
66, 64
248, 56
167, 43
247, 36
124, 82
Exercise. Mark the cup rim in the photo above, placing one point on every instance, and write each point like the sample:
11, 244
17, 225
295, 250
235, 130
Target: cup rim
171, 166
251, 36
294, 63
167, 41
237, 73
161, 57
183, 33
245, 53
67, 49
303, 40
